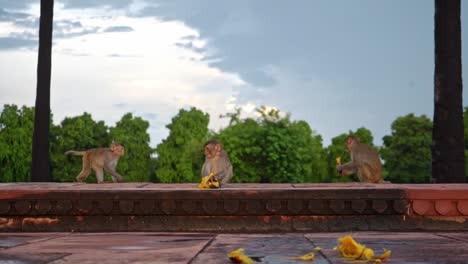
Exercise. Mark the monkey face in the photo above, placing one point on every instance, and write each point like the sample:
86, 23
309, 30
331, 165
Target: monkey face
118, 150
211, 150
349, 141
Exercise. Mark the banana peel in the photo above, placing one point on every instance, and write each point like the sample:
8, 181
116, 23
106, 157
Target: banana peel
238, 256
351, 249
209, 182
308, 256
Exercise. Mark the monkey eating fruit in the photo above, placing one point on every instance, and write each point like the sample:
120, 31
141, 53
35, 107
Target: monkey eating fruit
217, 162
365, 161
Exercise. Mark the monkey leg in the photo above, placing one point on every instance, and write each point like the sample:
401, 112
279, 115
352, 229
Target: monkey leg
99, 175
367, 174
227, 176
226, 179
117, 178
111, 170
83, 174
85, 171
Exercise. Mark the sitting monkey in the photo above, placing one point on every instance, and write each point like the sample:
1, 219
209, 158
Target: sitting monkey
217, 162
99, 159
365, 162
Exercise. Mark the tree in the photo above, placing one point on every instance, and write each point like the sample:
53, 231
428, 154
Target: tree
448, 160
288, 151
40, 170
407, 151
135, 166
75, 133
180, 155
243, 143
272, 148
337, 149
16, 129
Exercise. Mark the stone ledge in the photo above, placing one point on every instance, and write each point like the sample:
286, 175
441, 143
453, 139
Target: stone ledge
236, 207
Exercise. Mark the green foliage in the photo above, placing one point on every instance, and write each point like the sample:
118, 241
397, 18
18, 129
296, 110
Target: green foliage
242, 141
16, 131
135, 166
407, 151
75, 133
180, 155
273, 149
337, 149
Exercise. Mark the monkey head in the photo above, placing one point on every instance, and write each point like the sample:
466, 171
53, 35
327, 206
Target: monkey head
212, 148
350, 142
117, 149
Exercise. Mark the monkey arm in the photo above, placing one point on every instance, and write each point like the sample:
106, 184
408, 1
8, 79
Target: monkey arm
109, 168
205, 169
225, 173
348, 168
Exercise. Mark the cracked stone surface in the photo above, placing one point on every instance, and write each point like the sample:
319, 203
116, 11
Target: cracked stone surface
151, 247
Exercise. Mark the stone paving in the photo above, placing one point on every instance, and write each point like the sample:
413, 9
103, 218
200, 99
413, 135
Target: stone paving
146, 247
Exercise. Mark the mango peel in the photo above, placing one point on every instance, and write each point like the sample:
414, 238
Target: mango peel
209, 182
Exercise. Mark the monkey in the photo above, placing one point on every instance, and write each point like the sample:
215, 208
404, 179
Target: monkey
364, 160
217, 162
99, 159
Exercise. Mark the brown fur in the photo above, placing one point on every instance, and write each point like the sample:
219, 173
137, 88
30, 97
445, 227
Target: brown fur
217, 162
100, 159
365, 161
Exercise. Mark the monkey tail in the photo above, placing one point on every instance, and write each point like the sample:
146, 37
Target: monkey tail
75, 153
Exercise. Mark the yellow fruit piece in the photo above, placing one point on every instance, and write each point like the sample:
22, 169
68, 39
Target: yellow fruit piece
238, 256
208, 182
308, 256
338, 160
318, 248
350, 248
368, 254
385, 255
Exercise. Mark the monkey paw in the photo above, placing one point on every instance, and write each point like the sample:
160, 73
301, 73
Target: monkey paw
79, 179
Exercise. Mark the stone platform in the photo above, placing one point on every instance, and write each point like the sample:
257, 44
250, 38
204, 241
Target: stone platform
74, 207
207, 248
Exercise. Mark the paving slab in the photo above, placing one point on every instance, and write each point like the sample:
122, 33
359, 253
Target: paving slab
406, 247
8, 240
151, 247
265, 248
110, 248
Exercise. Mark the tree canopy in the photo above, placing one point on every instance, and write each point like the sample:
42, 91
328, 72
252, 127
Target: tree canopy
407, 151
269, 148
16, 131
180, 155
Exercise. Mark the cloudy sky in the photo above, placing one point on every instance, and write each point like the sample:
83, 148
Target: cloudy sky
339, 65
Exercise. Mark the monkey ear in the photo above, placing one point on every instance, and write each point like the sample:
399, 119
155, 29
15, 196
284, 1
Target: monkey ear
218, 147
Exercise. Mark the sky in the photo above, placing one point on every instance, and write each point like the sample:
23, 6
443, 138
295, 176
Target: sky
337, 64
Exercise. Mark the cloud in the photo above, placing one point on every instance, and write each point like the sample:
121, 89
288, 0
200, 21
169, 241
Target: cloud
120, 105
95, 3
9, 16
142, 71
16, 4
15, 43
118, 29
